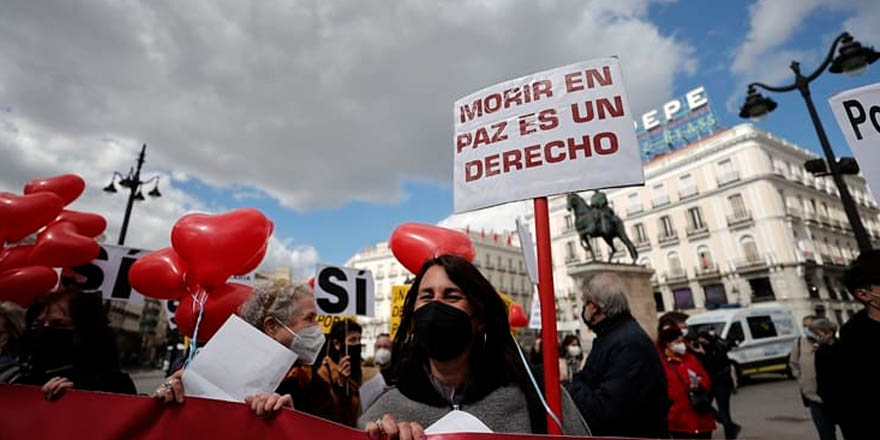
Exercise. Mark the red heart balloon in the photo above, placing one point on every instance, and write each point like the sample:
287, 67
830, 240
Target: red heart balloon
159, 275
21, 216
255, 261
215, 247
516, 316
222, 302
66, 186
311, 282
15, 257
415, 243
25, 284
87, 223
59, 245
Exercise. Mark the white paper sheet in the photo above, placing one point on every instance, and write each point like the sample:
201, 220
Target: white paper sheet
457, 421
238, 361
371, 390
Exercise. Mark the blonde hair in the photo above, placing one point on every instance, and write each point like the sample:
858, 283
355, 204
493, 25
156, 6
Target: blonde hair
277, 300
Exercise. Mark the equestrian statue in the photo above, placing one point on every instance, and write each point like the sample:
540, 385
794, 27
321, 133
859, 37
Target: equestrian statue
596, 219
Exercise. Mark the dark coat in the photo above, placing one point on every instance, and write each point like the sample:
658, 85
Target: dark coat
846, 377
621, 391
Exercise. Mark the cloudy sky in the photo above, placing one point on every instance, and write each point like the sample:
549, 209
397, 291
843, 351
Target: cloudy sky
334, 117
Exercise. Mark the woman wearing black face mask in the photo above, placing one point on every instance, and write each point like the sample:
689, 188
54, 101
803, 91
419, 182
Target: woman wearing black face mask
339, 364
454, 350
68, 344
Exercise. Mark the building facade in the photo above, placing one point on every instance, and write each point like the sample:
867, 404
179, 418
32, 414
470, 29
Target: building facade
498, 257
733, 218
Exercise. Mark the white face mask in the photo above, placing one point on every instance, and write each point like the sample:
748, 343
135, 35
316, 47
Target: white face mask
307, 343
574, 351
383, 356
678, 347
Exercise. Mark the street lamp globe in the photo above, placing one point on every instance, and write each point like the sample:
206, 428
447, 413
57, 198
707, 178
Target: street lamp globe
757, 106
853, 59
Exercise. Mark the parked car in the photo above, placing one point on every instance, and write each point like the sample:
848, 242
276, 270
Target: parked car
760, 336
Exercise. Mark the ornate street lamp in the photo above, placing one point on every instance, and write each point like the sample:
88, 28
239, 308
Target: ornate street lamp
853, 59
133, 182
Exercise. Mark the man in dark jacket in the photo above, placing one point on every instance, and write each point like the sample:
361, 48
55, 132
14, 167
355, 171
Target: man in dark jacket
846, 371
621, 391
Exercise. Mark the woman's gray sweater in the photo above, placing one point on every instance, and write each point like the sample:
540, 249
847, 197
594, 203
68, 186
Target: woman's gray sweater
503, 410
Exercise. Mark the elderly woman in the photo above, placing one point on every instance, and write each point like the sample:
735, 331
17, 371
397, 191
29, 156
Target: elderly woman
621, 390
68, 344
454, 350
285, 313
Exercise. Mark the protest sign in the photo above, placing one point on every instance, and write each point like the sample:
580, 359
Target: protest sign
344, 291
326, 321
858, 114
398, 295
561, 130
535, 313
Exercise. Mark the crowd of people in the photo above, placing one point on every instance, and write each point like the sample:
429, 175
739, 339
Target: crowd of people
454, 351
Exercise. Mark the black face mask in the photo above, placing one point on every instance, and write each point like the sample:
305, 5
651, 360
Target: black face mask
441, 330
51, 349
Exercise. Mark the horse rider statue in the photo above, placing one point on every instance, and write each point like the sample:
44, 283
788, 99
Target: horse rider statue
596, 219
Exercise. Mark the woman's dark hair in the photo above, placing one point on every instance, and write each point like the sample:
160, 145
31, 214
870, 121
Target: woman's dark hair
93, 338
667, 335
566, 341
494, 360
338, 332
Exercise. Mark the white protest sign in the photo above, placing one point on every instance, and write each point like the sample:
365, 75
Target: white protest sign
563, 130
108, 273
344, 291
535, 313
528, 250
858, 114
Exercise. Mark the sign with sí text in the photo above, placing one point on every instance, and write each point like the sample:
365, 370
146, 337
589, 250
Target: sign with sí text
858, 114
561, 130
344, 291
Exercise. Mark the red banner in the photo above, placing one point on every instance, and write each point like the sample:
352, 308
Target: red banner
25, 414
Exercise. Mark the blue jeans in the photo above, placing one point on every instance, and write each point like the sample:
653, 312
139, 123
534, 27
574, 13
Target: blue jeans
823, 421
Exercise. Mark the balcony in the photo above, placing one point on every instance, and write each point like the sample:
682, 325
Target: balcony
676, 275
666, 239
825, 220
657, 202
708, 271
634, 209
572, 259
642, 243
728, 177
794, 212
697, 231
751, 262
739, 219
688, 191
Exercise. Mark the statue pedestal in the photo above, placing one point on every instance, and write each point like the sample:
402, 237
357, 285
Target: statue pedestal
637, 282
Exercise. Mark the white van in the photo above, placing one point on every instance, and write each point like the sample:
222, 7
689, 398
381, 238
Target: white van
761, 336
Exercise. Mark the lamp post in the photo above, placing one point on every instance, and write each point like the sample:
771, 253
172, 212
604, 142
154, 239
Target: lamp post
853, 59
133, 182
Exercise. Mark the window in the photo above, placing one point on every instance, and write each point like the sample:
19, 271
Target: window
726, 173
737, 205
666, 226
660, 195
715, 294
762, 290
705, 257
634, 205
684, 298
569, 251
695, 218
782, 199
750, 249
569, 223
725, 166
735, 335
639, 232
761, 327
674, 263
658, 301
686, 186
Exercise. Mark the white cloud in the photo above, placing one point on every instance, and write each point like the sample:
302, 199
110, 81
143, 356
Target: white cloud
497, 218
764, 56
316, 103
284, 253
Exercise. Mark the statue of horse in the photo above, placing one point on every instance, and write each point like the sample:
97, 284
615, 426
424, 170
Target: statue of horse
598, 220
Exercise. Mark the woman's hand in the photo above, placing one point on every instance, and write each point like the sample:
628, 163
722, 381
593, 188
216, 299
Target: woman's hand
388, 429
172, 389
267, 404
344, 369
55, 387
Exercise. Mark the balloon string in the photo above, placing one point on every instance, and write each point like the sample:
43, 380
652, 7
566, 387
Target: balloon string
199, 298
